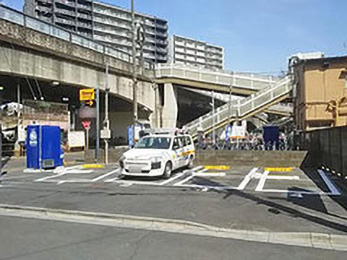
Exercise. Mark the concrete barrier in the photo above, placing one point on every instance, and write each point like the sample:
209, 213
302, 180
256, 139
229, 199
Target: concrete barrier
251, 158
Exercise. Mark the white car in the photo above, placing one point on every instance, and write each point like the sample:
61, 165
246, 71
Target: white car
158, 155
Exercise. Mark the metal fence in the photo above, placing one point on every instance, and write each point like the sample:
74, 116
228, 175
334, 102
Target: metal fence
29, 22
328, 148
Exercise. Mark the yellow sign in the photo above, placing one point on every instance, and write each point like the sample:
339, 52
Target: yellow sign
87, 94
279, 169
217, 167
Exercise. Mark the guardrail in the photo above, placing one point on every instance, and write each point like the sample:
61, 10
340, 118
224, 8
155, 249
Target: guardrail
240, 108
220, 77
29, 22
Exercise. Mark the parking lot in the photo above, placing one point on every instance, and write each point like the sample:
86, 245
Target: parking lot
292, 181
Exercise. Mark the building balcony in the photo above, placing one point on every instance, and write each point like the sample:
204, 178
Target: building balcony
43, 9
161, 26
162, 35
162, 50
65, 21
66, 3
149, 23
110, 23
108, 13
45, 1
84, 16
84, 7
66, 12
111, 32
161, 42
84, 25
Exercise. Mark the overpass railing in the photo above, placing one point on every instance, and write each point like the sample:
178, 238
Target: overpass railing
241, 108
29, 22
220, 77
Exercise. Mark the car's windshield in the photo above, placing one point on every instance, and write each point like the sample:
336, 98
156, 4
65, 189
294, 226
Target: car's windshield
154, 143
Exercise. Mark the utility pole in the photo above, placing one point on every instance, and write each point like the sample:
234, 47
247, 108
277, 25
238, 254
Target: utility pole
213, 122
133, 27
106, 121
97, 127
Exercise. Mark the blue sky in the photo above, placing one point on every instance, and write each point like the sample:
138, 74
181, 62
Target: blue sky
258, 35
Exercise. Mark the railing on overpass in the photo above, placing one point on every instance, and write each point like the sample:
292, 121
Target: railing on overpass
250, 81
29, 22
241, 108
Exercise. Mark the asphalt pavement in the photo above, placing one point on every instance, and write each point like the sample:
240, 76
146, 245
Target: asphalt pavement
41, 239
243, 198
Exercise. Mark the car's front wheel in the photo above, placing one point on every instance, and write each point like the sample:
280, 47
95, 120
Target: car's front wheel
167, 170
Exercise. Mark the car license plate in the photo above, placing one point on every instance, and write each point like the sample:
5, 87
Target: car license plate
135, 169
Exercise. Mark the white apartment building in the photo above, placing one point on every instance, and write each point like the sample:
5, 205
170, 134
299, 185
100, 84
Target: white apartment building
188, 51
112, 26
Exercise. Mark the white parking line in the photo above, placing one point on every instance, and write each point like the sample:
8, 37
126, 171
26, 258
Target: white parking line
269, 177
184, 180
105, 175
197, 168
79, 171
305, 192
172, 178
262, 180
44, 179
247, 179
209, 174
331, 186
112, 180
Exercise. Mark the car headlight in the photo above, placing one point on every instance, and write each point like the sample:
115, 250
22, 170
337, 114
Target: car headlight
156, 159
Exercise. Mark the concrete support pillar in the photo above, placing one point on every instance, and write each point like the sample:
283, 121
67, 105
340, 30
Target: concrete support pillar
170, 108
155, 116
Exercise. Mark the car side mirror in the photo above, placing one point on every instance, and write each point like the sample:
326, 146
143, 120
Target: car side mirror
175, 147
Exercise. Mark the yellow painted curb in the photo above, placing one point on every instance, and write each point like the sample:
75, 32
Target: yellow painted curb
279, 169
93, 166
217, 167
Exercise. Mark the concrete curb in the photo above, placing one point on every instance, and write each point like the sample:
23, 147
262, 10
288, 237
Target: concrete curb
304, 239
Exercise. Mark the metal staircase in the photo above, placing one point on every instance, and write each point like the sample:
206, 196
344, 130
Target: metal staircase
242, 108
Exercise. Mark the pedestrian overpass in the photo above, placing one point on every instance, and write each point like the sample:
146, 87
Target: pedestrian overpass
263, 93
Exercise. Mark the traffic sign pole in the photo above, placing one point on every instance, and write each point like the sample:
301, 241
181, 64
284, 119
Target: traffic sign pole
97, 124
86, 126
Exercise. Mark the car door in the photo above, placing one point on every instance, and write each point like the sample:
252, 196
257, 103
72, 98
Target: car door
176, 150
185, 151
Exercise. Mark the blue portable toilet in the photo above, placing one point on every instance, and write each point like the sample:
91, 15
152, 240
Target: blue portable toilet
43, 147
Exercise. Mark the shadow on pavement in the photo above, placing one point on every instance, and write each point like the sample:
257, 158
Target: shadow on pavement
277, 208
316, 179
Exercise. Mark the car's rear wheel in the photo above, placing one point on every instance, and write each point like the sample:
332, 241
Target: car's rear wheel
190, 163
167, 170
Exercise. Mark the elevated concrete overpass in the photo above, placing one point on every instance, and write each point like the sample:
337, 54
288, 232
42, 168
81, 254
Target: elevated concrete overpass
34, 50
